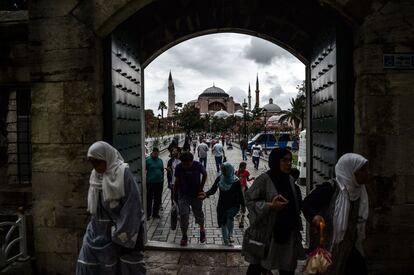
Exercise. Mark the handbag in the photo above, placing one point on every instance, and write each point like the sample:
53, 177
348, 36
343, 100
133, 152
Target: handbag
174, 216
224, 159
257, 248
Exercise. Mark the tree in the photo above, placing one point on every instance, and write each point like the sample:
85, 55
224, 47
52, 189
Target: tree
149, 122
162, 106
302, 97
189, 119
295, 113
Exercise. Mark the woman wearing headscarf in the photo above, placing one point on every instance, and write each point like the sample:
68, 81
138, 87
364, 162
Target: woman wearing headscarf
273, 240
113, 242
229, 202
342, 204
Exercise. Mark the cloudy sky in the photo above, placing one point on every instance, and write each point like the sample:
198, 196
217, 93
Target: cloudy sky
228, 60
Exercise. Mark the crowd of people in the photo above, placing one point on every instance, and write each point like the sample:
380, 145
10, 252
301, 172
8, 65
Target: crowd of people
114, 239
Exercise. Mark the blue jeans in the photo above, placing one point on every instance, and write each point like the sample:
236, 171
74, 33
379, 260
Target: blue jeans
256, 161
219, 161
227, 228
244, 157
203, 161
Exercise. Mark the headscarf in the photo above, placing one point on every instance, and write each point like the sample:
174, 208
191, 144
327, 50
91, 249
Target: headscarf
111, 182
226, 181
350, 190
287, 218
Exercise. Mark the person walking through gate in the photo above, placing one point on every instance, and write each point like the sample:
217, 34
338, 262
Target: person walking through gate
171, 165
244, 177
342, 204
218, 152
229, 202
187, 186
202, 151
155, 183
194, 142
243, 148
274, 203
256, 153
114, 238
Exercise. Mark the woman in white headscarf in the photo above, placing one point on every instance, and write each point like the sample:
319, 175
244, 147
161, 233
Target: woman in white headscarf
342, 204
113, 242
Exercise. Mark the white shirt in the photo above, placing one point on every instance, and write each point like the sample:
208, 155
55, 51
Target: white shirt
173, 165
202, 150
218, 150
256, 150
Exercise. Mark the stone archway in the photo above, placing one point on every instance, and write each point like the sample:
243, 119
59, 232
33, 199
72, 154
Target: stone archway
216, 106
67, 80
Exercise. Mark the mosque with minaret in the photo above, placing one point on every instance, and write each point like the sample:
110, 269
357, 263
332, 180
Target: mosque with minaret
215, 101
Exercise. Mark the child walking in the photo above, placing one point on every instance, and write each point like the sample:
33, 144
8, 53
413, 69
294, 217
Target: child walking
229, 202
244, 177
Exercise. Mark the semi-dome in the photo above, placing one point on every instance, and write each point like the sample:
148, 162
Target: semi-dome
214, 92
238, 114
274, 118
271, 107
221, 114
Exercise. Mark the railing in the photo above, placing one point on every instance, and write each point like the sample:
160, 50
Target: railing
9, 241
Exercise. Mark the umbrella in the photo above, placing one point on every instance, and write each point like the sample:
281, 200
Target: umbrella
319, 259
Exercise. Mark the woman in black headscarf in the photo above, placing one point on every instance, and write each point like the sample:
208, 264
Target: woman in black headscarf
274, 203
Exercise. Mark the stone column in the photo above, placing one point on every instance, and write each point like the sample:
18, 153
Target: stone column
12, 165
66, 119
384, 133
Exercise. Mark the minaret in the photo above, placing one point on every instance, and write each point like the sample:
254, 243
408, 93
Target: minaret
257, 92
171, 96
250, 98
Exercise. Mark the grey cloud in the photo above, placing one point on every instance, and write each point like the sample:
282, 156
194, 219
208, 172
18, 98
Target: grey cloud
263, 52
238, 94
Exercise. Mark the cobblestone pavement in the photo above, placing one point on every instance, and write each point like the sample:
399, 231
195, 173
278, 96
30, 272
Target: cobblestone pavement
159, 229
199, 262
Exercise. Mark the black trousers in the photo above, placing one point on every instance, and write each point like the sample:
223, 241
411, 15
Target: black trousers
356, 265
154, 194
257, 269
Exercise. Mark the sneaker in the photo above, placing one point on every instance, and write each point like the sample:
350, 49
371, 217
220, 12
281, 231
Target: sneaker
231, 240
203, 236
184, 241
148, 218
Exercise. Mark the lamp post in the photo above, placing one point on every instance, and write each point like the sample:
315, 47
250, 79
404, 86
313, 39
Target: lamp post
265, 130
244, 105
159, 121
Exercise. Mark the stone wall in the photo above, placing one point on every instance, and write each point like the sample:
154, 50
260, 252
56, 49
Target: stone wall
66, 77
384, 133
66, 118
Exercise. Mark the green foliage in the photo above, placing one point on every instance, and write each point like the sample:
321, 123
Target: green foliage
295, 114
189, 119
162, 106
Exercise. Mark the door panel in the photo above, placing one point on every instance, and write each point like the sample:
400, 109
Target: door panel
331, 94
124, 103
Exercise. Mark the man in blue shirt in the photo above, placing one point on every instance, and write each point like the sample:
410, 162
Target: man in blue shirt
155, 180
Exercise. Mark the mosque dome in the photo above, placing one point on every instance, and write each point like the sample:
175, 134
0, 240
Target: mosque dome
271, 107
221, 114
214, 92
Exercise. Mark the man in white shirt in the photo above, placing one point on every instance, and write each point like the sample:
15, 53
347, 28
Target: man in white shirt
256, 152
202, 150
218, 152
